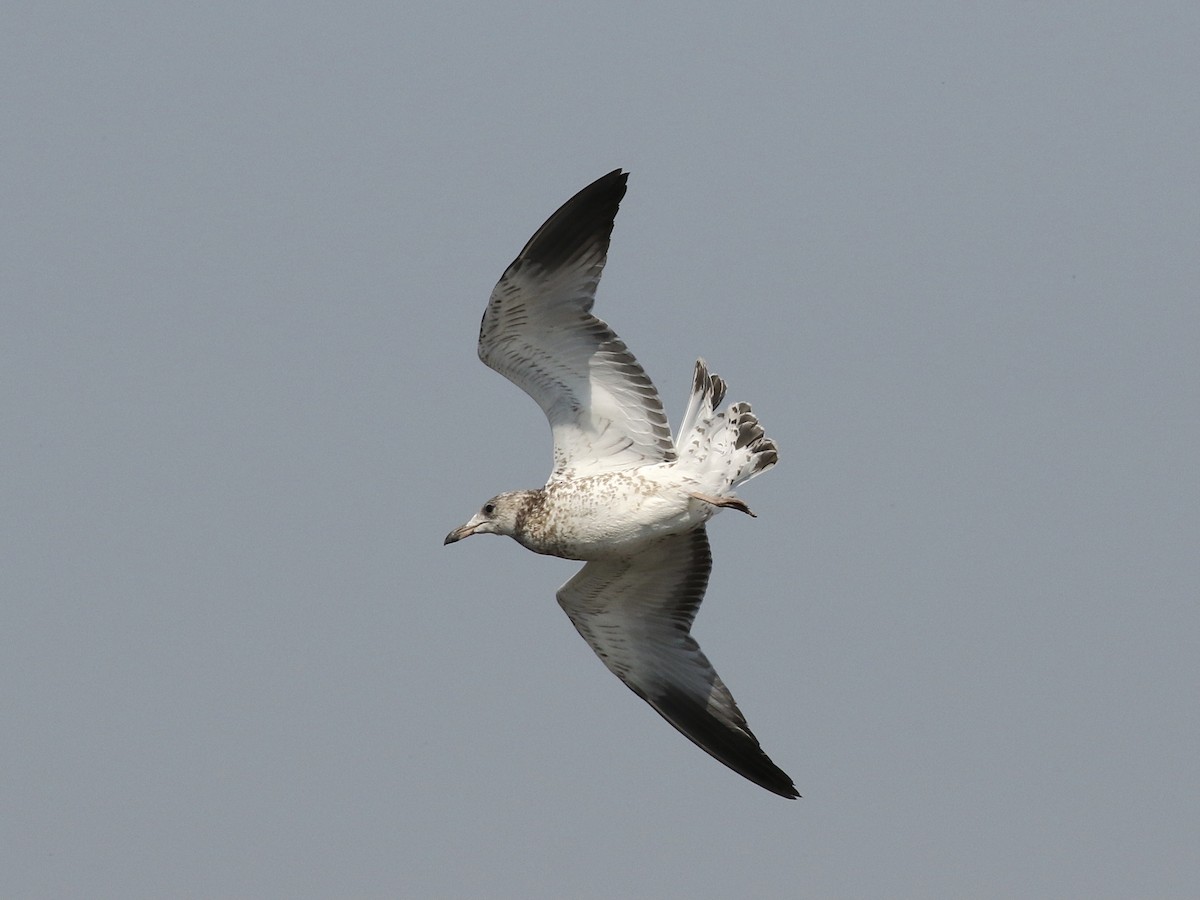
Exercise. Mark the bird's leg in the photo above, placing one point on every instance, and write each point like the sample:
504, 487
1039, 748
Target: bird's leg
725, 502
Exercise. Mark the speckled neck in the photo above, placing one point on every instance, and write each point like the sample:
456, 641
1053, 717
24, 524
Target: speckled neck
529, 528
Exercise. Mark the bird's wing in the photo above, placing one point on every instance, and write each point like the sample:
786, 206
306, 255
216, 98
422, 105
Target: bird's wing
539, 333
637, 613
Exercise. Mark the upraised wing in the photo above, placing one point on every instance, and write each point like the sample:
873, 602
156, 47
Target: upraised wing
539, 333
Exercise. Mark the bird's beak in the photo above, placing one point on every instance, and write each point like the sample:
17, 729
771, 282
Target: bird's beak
459, 533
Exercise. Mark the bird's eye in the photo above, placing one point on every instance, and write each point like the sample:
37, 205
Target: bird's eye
489, 509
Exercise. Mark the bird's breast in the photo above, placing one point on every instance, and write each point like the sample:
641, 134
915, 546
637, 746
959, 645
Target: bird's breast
607, 515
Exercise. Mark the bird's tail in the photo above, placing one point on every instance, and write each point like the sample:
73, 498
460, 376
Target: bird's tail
724, 448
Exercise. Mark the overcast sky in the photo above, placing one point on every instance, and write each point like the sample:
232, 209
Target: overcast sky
949, 252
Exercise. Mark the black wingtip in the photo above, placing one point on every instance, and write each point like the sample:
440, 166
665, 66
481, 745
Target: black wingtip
739, 750
579, 224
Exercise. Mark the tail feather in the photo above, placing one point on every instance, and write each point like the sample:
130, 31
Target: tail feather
707, 393
725, 448
760, 451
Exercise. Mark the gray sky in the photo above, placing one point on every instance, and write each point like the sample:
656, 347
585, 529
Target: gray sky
950, 253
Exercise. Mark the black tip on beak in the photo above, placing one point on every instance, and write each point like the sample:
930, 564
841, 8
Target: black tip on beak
458, 534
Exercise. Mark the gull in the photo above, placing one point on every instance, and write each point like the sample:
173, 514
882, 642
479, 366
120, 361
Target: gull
623, 496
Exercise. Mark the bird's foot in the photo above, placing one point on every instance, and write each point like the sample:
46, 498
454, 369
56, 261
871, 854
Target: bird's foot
725, 502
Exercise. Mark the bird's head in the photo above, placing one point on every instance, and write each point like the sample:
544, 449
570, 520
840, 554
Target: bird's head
497, 516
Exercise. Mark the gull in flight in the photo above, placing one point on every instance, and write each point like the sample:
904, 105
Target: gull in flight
623, 497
